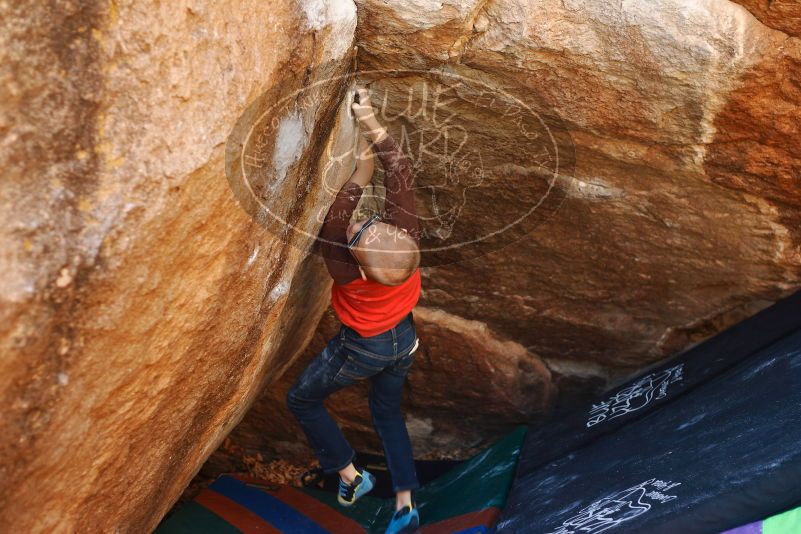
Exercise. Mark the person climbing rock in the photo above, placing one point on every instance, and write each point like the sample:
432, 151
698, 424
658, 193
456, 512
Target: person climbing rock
375, 266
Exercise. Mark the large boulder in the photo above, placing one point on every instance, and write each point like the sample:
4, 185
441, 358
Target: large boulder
674, 210
602, 184
142, 307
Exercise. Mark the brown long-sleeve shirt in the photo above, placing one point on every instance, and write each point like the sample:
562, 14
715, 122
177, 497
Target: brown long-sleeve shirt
399, 210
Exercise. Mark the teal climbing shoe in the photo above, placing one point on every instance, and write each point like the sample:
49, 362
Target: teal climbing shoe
404, 521
350, 493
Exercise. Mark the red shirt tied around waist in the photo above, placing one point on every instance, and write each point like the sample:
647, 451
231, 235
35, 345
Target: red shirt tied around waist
366, 305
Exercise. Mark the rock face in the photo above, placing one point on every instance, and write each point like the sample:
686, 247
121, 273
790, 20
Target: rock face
142, 308
784, 15
601, 184
680, 210
674, 213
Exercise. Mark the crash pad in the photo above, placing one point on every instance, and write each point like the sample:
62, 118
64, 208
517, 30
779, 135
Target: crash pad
466, 499
788, 522
706, 442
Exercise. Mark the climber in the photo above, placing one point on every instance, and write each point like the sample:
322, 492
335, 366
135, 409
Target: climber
375, 266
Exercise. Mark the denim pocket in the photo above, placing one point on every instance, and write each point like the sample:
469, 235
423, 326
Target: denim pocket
380, 350
405, 361
358, 367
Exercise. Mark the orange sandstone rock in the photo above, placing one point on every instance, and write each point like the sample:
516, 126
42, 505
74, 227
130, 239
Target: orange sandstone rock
142, 307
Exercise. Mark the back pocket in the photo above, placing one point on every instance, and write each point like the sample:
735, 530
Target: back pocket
357, 367
406, 361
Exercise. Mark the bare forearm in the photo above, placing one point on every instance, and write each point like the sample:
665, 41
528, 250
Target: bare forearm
365, 114
399, 205
374, 129
365, 163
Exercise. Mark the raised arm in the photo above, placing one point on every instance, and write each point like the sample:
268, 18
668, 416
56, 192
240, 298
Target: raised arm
363, 109
338, 259
365, 163
399, 207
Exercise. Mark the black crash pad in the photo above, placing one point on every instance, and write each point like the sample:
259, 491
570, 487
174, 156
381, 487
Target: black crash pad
706, 442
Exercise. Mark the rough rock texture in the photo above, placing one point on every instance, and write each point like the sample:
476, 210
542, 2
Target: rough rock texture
603, 183
142, 308
681, 212
784, 15
675, 214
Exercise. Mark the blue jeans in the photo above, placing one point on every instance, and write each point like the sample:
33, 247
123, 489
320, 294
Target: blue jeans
348, 358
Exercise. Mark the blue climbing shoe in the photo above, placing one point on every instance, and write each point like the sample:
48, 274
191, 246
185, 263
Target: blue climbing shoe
404, 521
350, 493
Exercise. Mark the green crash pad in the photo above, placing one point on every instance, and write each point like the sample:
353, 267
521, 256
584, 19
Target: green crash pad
466, 499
